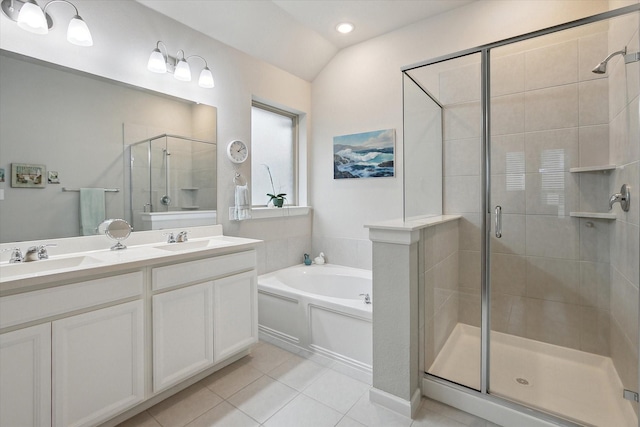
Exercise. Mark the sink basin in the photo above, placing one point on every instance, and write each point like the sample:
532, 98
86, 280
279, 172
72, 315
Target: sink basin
44, 266
186, 246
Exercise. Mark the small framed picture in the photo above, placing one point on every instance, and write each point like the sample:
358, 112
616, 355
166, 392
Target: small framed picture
28, 176
1, 174
53, 178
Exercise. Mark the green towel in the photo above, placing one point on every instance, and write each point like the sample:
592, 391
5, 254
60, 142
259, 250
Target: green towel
91, 210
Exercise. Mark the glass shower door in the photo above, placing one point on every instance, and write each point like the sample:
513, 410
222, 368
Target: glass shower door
563, 266
451, 115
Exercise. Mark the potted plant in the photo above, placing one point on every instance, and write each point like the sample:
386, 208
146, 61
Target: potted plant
277, 199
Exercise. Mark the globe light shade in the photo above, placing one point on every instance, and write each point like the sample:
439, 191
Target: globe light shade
32, 19
206, 78
78, 33
182, 72
156, 62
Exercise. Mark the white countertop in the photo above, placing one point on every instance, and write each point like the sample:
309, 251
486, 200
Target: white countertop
145, 249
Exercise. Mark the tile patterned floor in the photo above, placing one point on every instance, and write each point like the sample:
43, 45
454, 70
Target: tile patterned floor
275, 388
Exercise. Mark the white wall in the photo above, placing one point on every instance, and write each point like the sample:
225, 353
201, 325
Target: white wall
361, 90
125, 33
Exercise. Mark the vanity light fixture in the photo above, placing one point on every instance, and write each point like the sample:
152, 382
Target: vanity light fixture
163, 63
33, 18
345, 27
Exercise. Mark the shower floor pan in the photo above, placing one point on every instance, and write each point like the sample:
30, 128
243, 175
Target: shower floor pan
573, 384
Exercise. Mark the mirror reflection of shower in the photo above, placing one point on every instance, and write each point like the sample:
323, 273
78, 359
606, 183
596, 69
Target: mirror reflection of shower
173, 182
166, 199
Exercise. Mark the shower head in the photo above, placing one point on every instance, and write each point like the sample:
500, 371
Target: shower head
601, 68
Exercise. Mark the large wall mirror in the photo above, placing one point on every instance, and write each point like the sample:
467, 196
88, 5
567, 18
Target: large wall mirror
81, 128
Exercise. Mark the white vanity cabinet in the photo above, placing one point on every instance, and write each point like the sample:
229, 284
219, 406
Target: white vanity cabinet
25, 377
98, 364
94, 346
182, 334
235, 314
196, 325
80, 365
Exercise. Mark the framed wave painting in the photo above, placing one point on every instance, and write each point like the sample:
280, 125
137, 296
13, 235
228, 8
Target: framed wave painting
364, 155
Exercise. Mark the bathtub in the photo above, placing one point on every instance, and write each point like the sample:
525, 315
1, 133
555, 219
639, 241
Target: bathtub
319, 310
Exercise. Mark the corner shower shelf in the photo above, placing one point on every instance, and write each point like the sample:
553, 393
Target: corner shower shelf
603, 168
595, 215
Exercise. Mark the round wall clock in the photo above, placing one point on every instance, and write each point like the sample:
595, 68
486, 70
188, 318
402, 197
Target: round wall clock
237, 151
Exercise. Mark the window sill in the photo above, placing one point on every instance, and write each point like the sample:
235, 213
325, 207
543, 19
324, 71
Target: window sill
265, 213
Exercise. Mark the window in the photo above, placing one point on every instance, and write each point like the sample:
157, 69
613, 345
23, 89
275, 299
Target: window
273, 145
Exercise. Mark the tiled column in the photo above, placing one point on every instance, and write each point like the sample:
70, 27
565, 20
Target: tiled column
395, 318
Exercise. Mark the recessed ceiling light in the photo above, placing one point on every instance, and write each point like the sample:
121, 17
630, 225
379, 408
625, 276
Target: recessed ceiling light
345, 27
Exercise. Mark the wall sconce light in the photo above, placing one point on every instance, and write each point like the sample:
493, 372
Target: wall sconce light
34, 19
163, 63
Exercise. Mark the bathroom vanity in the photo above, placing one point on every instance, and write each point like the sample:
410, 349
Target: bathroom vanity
91, 334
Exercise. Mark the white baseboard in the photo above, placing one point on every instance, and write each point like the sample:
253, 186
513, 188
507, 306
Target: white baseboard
394, 403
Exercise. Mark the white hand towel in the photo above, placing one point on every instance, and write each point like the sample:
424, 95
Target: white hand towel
241, 210
92, 210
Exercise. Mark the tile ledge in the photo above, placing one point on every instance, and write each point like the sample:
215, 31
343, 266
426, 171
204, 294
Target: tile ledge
595, 215
263, 213
412, 224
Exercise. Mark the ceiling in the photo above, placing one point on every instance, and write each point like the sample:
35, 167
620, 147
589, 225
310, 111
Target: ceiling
298, 36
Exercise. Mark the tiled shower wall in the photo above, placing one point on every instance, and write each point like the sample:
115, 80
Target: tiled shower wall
438, 285
550, 272
624, 151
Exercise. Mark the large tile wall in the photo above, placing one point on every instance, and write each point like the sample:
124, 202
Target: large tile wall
624, 151
550, 272
349, 252
438, 287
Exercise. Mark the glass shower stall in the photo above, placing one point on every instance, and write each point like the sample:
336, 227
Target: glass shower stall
537, 309
172, 182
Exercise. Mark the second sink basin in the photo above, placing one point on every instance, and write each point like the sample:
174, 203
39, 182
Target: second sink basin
185, 246
36, 267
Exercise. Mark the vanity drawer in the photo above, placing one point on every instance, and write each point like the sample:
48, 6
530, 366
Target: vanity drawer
30, 306
195, 271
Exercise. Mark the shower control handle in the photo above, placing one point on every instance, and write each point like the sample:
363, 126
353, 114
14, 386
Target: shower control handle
498, 221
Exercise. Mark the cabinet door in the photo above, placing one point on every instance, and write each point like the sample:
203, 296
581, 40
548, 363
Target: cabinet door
235, 314
25, 377
98, 364
182, 334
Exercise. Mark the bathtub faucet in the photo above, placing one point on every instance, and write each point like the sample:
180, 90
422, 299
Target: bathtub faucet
367, 298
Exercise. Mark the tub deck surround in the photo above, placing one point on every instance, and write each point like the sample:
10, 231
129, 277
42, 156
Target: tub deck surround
396, 366
319, 310
78, 257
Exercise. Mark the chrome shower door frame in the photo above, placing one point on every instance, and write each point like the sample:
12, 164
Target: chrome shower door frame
485, 53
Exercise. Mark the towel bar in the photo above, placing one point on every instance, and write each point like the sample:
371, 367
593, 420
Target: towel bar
106, 190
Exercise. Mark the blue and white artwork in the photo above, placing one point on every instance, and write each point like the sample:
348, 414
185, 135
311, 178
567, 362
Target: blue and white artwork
364, 155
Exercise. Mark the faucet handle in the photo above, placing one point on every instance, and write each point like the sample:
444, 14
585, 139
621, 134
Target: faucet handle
182, 236
16, 255
170, 237
42, 250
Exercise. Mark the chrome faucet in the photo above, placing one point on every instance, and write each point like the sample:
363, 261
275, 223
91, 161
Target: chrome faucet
170, 237
623, 197
36, 253
182, 237
367, 298
16, 256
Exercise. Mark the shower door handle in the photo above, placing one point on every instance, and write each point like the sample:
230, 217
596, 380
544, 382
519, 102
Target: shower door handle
498, 221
